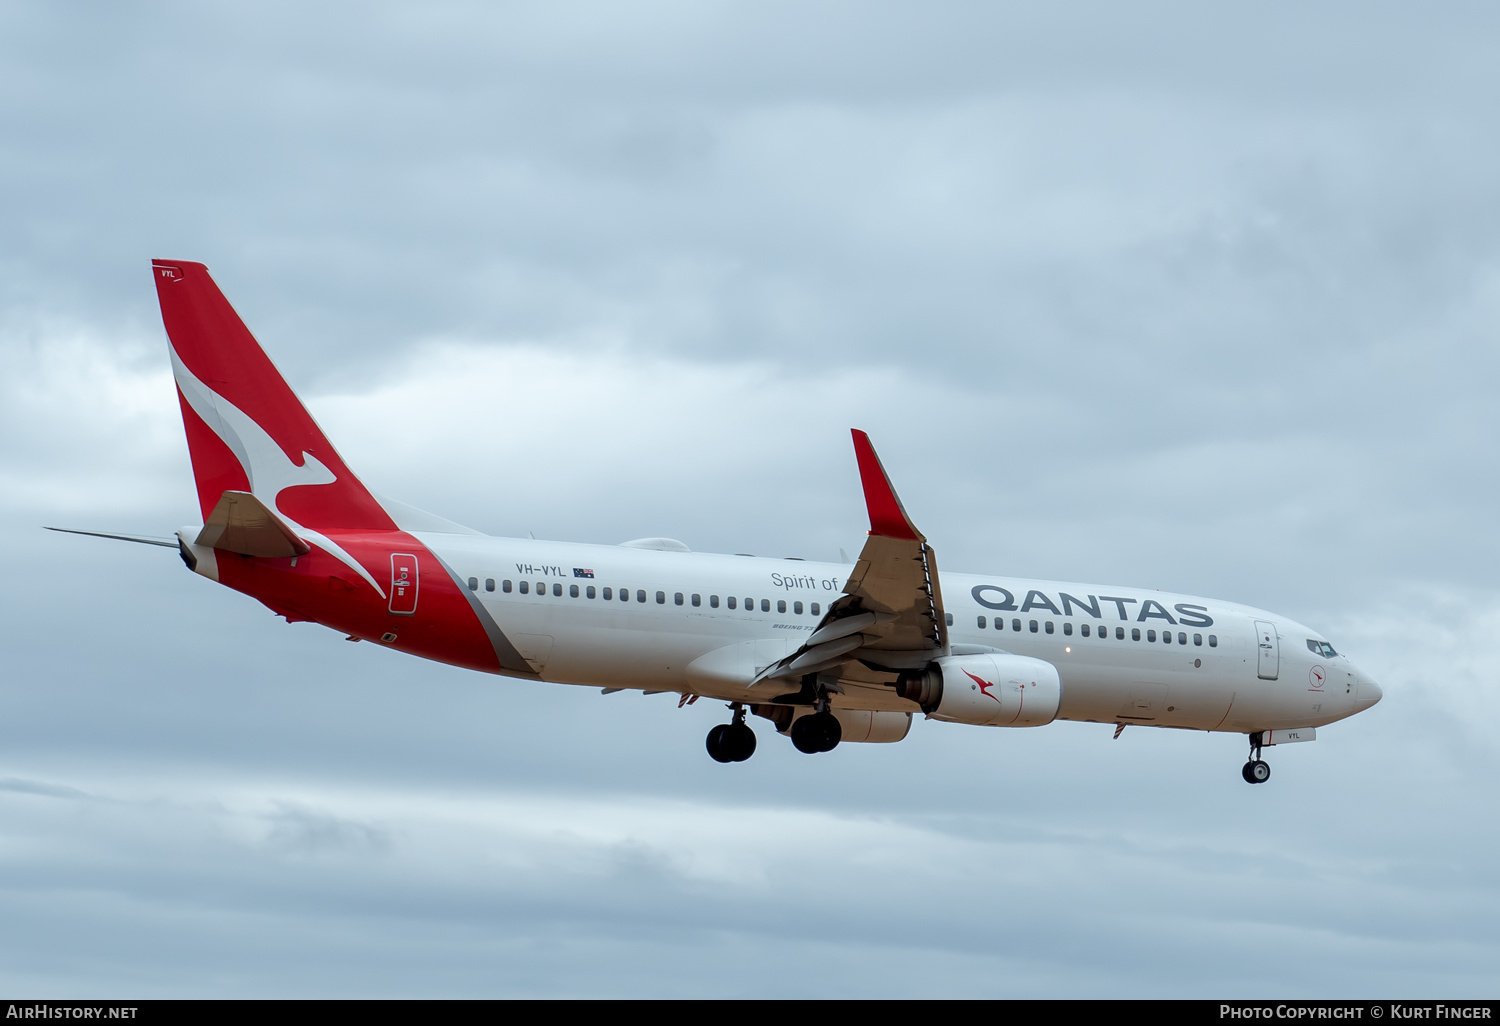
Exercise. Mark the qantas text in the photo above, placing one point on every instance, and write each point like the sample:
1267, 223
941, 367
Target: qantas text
992, 596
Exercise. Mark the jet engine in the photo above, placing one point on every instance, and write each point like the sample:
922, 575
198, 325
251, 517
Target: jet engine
994, 689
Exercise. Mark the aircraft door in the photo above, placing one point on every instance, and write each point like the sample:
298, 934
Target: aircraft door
1269, 660
403, 584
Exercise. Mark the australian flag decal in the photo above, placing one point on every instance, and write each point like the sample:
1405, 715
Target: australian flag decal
579, 572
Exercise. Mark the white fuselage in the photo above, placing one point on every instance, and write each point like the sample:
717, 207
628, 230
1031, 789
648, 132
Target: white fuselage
1226, 666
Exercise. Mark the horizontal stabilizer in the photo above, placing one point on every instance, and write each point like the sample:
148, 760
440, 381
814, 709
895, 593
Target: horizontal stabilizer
139, 539
242, 523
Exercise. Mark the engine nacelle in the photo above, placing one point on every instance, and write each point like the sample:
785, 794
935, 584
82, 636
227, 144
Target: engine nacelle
993, 690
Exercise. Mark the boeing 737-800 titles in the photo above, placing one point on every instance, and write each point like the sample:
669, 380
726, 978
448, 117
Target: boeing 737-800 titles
826, 652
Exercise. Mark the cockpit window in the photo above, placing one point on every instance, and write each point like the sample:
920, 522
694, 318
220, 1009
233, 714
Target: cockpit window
1321, 648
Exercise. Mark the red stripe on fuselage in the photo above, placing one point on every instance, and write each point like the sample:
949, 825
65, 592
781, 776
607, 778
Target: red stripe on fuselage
325, 590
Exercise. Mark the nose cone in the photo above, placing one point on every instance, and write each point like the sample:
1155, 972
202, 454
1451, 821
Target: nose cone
1367, 694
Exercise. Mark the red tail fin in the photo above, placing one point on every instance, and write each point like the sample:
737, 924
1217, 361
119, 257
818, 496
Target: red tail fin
246, 429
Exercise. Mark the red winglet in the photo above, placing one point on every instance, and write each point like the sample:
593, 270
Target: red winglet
887, 516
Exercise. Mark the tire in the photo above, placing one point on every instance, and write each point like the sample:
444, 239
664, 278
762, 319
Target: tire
1260, 772
1245, 772
807, 737
740, 742
830, 730
717, 749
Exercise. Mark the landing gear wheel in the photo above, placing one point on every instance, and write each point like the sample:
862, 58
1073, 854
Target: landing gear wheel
738, 742
819, 732
833, 731
806, 737
717, 749
1256, 771
731, 742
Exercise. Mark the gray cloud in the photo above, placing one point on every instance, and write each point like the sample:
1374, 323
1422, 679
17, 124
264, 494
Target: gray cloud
1168, 296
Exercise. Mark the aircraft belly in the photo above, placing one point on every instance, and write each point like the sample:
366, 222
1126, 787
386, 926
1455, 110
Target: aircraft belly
1163, 698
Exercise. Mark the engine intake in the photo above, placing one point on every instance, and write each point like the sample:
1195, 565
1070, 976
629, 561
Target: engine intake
993, 690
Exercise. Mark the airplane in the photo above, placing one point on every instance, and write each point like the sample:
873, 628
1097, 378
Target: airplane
828, 653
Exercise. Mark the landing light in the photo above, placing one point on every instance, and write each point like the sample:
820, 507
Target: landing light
1067, 648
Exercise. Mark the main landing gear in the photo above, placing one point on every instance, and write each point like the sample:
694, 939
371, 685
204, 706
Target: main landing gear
819, 732
732, 742
1257, 770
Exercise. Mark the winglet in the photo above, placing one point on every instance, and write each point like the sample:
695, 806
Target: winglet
888, 517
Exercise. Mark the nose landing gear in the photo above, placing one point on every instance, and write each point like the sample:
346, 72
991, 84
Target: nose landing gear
732, 742
1257, 770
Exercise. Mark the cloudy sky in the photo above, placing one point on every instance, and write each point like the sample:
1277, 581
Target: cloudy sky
1149, 294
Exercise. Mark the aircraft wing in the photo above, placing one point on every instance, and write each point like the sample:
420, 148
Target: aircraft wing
890, 617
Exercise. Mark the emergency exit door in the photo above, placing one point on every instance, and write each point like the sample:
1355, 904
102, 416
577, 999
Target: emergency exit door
403, 584
1268, 649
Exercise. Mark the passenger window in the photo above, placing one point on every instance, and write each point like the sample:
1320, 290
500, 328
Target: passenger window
982, 623
731, 601
1181, 638
1150, 636
473, 584
572, 591
489, 584
1067, 628
1033, 626
797, 608
697, 599
541, 587
1119, 633
1015, 625
1213, 641
1198, 640
557, 590
713, 601
749, 605
781, 605
1135, 634
1049, 626
1084, 630
765, 605
1166, 637
815, 609
589, 591
505, 587
677, 598
608, 594
525, 586
640, 596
